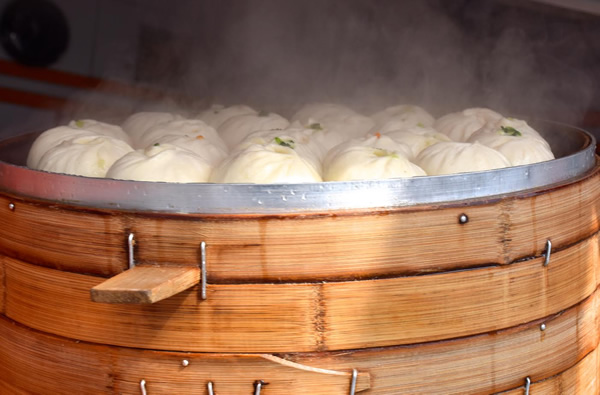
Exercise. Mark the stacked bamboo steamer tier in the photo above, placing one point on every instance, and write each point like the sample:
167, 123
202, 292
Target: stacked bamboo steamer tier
478, 295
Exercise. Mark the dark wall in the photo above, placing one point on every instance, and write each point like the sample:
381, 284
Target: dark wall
518, 57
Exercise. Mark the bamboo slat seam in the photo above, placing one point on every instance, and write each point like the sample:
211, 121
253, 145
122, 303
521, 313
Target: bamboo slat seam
319, 322
505, 221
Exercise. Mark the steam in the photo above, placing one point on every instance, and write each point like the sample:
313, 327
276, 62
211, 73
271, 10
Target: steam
442, 55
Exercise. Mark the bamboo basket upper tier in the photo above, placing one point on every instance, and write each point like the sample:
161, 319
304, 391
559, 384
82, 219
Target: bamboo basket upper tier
428, 285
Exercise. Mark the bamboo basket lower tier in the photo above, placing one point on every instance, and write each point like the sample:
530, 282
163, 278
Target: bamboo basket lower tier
471, 297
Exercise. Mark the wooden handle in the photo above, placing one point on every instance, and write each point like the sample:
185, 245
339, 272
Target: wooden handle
146, 284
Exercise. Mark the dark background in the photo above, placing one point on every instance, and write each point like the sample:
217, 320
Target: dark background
522, 58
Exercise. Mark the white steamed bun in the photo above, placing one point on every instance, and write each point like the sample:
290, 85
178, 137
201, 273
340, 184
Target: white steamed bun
455, 157
186, 127
276, 162
51, 138
400, 117
521, 146
161, 162
361, 162
334, 118
236, 128
459, 126
137, 124
217, 114
89, 156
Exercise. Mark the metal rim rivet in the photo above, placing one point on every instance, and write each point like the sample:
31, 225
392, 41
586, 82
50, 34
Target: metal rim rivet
463, 218
11, 206
543, 327
185, 363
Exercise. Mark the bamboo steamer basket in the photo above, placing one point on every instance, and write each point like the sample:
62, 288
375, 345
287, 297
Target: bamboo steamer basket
474, 283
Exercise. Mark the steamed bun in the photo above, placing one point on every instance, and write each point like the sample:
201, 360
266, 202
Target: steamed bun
273, 163
161, 162
217, 114
334, 118
521, 146
137, 124
50, 139
459, 126
362, 162
89, 156
400, 117
236, 128
456, 157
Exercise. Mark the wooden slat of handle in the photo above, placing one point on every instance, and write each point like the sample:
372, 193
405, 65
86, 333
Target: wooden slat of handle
146, 284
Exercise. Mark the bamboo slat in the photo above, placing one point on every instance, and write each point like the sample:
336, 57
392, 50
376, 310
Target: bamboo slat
6, 388
332, 247
64, 239
230, 374
482, 364
535, 219
35, 362
439, 306
46, 364
38, 364
146, 284
233, 319
308, 247
580, 379
308, 316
